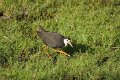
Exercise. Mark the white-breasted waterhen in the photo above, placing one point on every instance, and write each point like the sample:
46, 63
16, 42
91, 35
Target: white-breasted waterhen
54, 40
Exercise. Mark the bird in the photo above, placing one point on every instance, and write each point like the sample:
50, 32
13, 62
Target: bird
54, 40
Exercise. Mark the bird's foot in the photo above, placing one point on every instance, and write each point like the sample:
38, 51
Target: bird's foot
49, 56
64, 53
46, 50
61, 52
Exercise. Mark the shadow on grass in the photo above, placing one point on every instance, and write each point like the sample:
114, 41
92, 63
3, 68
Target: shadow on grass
82, 48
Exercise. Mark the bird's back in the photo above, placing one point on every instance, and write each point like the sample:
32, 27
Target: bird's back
51, 39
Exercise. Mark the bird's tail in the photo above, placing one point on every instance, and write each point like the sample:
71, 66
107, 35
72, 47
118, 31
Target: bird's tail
40, 30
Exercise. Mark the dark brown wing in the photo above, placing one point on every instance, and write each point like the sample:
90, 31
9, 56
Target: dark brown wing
52, 39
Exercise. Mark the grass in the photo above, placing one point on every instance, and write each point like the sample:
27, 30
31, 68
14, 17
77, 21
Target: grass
92, 25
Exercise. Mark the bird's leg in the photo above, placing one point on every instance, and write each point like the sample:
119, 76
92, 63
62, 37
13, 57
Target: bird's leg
44, 46
61, 52
45, 49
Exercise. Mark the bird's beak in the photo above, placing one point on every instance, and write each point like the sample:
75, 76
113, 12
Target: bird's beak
70, 44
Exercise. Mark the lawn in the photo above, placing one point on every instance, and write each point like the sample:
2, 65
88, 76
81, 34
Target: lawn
92, 25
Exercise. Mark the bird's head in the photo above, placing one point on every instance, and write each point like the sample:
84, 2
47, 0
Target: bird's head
67, 41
